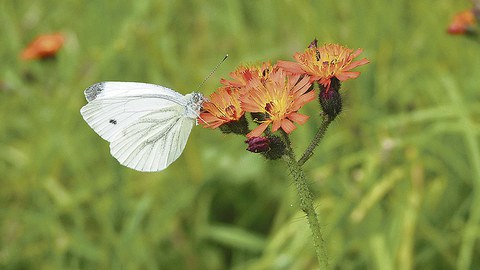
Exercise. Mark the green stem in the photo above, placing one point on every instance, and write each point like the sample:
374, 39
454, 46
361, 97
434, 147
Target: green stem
306, 203
316, 140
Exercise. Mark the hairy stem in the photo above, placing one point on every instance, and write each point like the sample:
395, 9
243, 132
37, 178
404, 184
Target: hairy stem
316, 140
306, 203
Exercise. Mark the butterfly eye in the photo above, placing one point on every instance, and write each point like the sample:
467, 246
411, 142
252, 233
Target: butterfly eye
197, 97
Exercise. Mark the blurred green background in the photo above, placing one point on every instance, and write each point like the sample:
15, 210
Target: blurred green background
396, 179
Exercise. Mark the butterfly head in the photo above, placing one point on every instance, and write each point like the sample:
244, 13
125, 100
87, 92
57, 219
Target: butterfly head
194, 104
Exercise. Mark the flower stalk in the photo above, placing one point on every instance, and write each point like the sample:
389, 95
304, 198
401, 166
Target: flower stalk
316, 140
306, 202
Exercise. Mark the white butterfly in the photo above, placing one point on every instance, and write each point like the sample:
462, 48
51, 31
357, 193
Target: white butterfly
147, 125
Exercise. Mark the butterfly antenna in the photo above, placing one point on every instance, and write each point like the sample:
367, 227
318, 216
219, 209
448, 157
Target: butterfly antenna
213, 71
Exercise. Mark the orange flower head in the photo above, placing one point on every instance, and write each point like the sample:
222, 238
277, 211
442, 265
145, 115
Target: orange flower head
324, 63
278, 99
223, 106
462, 23
243, 74
43, 46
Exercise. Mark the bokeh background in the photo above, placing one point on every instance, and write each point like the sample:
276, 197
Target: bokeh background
396, 179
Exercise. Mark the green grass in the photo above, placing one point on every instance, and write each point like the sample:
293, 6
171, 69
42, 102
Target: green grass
397, 177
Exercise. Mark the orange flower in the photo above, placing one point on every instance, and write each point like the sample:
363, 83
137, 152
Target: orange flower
43, 46
278, 98
462, 23
223, 107
324, 63
243, 74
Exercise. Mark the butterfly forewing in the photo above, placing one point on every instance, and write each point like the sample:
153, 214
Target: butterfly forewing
114, 106
108, 117
106, 90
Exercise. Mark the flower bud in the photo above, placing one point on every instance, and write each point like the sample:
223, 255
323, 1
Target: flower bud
271, 147
258, 117
330, 99
237, 127
258, 144
277, 148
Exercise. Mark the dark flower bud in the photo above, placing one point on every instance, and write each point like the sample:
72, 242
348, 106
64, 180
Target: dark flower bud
277, 148
258, 117
271, 147
237, 127
330, 99
258, 144
335, 84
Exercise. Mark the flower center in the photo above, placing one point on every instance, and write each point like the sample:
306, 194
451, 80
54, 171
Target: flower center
275, 110
231, 112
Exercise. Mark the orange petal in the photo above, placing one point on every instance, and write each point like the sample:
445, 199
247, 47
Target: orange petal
211, 120
276, 125
298, 117
302, 100
355, 64
291, 67
288, 126
343, 76
302, 86
258, 130
356, 53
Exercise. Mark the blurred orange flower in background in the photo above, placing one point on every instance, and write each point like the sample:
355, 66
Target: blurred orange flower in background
325, 62
43, 46
462, 23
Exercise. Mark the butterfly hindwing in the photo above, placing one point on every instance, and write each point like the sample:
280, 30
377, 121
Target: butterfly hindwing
154, 141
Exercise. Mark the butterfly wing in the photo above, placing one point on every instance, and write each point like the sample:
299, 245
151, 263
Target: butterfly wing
146, 124
113, 106
154, 141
